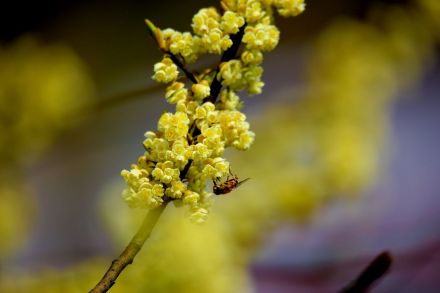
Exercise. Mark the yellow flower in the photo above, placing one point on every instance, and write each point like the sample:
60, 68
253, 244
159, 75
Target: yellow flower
165, 71
254, 11
206, 113
176, 92
212, 137
262, 37
231, 22
229, 100
215, 42
206, 20
231, 73
201, 90
181, 44
252, 75
290, 7
165, 172
191, 198
179, 153
174, 126
140, 192
216, 168
176, 190
252, 57
200, 152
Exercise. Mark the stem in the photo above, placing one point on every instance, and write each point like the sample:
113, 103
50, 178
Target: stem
129, 253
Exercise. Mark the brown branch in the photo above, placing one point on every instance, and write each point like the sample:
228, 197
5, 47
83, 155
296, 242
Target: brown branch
129, 253
373, 272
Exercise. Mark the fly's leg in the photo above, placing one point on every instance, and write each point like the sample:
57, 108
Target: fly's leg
232, 175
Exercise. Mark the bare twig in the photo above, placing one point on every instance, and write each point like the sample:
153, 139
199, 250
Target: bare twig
129, 253
373, 272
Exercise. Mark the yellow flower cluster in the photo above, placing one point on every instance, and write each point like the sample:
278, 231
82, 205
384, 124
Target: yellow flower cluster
187, 149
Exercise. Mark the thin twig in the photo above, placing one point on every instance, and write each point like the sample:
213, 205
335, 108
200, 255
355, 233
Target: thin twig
156, 34
373, 272
182, 67
129, 253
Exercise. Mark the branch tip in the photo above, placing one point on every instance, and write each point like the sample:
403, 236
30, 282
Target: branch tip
156, 34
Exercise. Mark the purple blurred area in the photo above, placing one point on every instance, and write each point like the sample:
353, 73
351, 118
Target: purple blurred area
400, 214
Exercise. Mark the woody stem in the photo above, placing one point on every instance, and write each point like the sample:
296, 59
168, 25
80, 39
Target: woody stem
129, 253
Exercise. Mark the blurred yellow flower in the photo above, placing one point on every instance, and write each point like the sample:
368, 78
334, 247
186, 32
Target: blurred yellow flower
41, 88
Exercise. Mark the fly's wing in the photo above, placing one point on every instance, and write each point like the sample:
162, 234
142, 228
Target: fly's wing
242, 181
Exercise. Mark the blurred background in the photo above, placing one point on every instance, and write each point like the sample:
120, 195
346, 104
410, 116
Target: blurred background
345, 162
